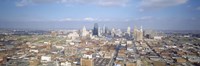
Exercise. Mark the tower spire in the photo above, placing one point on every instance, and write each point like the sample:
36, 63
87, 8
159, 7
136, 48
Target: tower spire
141, 29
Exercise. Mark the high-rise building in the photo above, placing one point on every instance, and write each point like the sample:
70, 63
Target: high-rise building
84, 32
104, 29
138, 34
113, 32
95, 29
99, 31
135, 32
129, 31
118, 33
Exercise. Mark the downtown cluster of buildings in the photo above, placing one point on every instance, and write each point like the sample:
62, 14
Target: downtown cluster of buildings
100, 47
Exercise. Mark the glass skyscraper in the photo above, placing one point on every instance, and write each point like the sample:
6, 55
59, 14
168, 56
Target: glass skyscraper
95, 29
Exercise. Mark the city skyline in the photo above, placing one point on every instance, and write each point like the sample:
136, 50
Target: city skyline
63, 14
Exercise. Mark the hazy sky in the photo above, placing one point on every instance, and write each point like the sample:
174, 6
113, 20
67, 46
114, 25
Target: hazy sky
62, 14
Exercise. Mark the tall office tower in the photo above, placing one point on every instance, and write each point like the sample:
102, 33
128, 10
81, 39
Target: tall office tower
95, 30
84, 32
113, 32
99, 31
138, 34
135, 32
118, 33
129, 31
104, 29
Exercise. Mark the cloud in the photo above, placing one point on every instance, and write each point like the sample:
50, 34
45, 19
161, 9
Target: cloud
157, 4
75, 2
198, 8
23, 3
146, 18
113, 2
89, 19
66, 19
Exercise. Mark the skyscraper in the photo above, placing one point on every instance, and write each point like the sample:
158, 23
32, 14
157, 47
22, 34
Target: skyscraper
129, 31
104, 29
99, 31
113, 32
84, 32
138, 34
95, 29
135, 32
